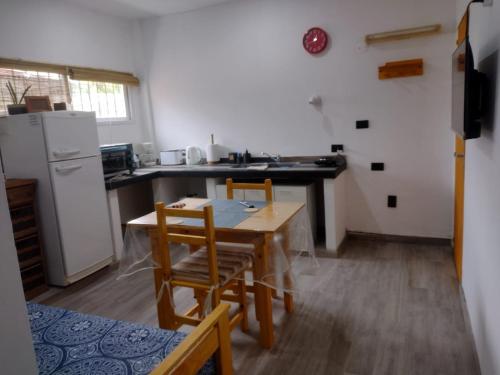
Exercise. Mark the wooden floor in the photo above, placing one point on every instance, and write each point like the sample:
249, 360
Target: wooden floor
382, 308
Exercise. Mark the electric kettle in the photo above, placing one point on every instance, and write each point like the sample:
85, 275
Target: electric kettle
193, 155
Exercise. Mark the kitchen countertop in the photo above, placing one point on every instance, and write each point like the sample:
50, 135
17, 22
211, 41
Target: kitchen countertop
296, 172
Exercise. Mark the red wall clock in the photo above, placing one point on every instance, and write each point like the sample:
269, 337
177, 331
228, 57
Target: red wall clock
315, 40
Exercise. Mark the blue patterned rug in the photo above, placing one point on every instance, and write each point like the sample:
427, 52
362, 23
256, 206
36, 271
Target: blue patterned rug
67, 342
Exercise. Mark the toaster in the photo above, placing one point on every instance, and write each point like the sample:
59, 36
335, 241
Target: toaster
173, 157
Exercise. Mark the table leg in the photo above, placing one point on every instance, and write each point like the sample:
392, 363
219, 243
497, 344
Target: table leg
274, 293
263, 297
197, 294
288, 302
166, 313
288, 297
254, 289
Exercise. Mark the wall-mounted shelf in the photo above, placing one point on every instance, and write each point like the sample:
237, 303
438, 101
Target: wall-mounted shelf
401, 34
399, 69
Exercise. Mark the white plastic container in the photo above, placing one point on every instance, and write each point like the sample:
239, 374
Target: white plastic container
214, 151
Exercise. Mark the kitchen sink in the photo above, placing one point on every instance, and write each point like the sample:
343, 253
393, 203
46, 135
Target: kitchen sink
254, 165
284, 164
268, 165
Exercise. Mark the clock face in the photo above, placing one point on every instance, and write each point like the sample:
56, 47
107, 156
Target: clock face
315, 40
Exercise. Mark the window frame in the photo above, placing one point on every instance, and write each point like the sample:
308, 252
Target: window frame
130, 112
120, 121
109, 121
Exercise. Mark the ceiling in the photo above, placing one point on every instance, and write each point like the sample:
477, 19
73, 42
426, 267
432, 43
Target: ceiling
144, 8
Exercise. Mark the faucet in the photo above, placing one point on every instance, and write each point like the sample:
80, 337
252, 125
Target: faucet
276, 158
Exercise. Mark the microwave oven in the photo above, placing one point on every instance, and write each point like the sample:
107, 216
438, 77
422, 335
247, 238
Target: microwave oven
117, 159
173, 157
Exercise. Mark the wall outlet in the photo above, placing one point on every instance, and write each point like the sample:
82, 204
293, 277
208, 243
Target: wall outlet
337, 148
392, 201
362, 124
378, 166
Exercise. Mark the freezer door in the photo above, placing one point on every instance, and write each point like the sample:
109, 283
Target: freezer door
82, 213
70, 135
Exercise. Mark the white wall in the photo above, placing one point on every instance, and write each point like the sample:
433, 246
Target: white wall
16, 347
481, 258
239, 70
56, 32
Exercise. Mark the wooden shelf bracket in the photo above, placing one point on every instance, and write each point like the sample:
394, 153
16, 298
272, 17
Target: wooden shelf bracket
399, 69
401, 34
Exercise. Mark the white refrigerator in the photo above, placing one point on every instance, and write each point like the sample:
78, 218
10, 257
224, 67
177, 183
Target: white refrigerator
61, 150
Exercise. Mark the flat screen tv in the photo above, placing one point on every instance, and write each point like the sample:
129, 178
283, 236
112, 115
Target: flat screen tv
468, 88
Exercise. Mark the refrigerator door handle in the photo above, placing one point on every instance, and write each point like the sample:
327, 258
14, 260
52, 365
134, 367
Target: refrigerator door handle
68, 169
60, 154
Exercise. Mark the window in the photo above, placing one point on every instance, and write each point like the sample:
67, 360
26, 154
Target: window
42, 83
108, 100
84, 89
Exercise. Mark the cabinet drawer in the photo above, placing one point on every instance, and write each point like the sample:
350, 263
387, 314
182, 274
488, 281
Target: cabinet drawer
221, 193
25, 233
29, 257
20, 196
23, 226
35, 282
255, 195
22, 213
35, 272
27, 244
290, 194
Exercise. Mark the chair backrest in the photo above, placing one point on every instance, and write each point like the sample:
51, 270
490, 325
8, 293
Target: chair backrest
267, 186
207, 239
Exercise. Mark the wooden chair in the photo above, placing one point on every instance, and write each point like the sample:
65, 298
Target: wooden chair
267, 187
211, 337
207, 271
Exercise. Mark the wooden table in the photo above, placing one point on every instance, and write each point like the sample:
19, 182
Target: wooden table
258, 229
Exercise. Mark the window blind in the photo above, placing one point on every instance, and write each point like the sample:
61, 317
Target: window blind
42, 83
31, 66
102, 91
98, 75
74, 72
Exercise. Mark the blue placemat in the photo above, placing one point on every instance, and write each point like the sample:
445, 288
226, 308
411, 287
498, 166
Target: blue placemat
227, 213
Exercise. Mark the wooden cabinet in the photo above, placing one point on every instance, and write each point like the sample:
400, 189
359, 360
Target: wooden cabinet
298, 193
21, 195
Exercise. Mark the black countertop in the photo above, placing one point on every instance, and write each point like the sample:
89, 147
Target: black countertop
303, 171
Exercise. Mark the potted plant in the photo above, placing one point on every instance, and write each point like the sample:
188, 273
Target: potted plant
16, 107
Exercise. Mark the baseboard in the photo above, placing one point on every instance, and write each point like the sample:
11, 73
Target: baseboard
398, 238
342, 246
468, 327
